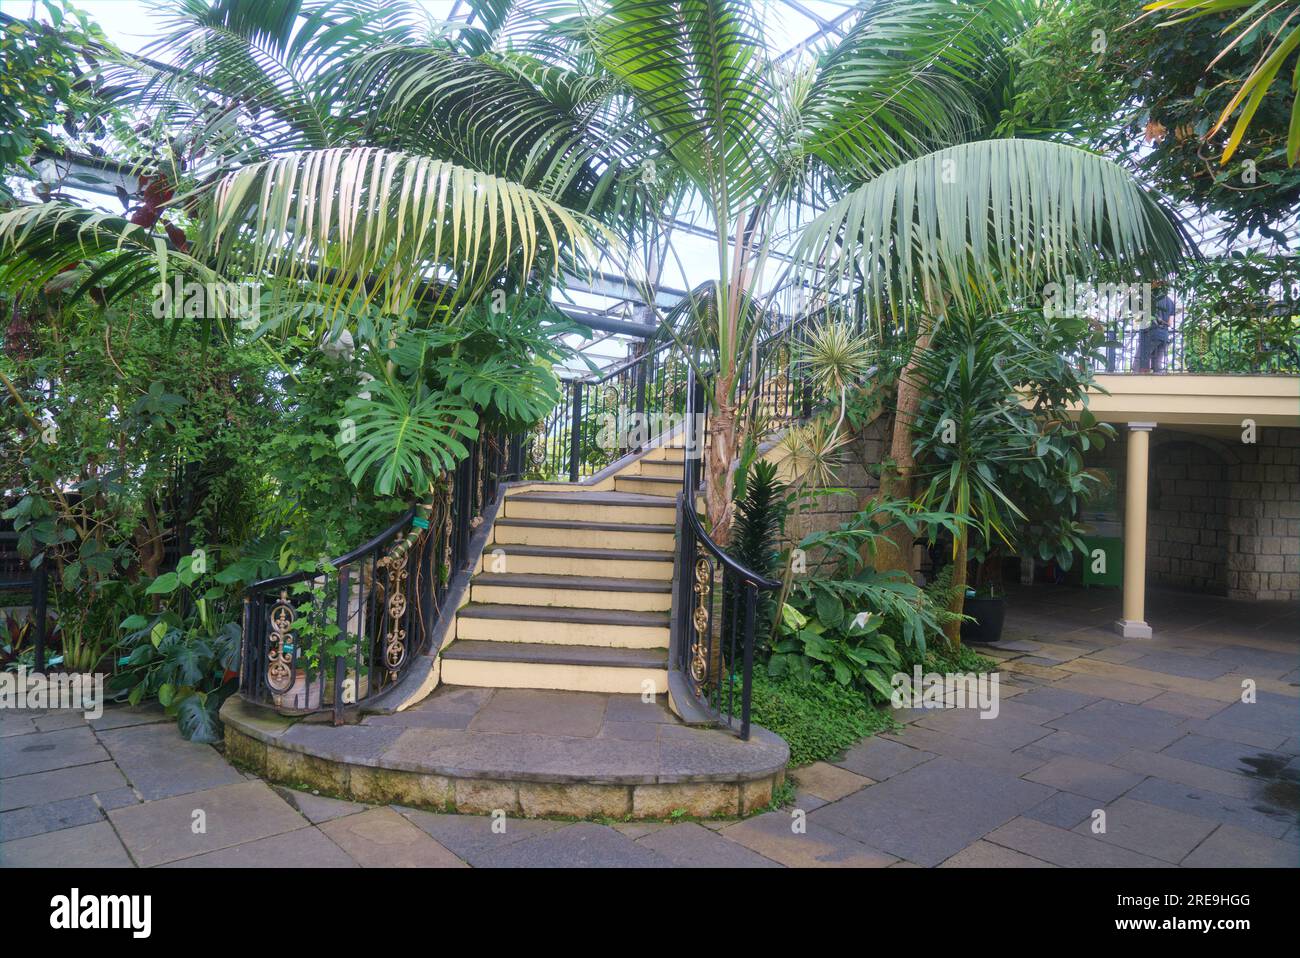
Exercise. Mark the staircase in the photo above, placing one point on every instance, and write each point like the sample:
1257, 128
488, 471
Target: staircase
574, 588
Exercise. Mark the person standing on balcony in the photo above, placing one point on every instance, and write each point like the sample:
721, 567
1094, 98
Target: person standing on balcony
1155, 330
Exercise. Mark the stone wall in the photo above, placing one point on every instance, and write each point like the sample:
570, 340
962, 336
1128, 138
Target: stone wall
1187, 518
1264, 518
1223, 515
859, 475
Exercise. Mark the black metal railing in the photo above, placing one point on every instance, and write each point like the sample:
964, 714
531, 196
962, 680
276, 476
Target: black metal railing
332, 636
716, 602
17, 575
606, 416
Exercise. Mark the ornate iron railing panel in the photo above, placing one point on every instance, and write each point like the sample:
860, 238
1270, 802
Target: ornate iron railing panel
331, 637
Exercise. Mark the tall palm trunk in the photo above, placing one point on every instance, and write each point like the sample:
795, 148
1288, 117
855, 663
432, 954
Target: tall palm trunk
720, 481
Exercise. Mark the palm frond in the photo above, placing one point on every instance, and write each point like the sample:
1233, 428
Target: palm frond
696, 71
113, 256
907, 78
970, 218
389, 224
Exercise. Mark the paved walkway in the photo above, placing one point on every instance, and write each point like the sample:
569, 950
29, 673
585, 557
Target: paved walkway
1152, 734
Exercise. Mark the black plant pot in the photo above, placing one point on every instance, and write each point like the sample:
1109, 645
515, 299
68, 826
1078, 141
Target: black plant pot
988, 615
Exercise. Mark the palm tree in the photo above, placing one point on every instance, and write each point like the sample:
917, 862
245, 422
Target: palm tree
355, 154
273, 153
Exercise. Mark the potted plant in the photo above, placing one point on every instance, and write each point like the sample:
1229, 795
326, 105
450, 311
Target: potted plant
1001, 450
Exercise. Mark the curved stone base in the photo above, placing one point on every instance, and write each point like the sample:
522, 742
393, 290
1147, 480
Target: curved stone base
712, 773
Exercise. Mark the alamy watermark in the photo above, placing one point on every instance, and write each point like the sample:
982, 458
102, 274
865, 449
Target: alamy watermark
1075, 299
57, 690
195, 300
943, 690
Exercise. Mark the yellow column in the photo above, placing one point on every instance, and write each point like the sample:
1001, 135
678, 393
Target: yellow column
1133, 625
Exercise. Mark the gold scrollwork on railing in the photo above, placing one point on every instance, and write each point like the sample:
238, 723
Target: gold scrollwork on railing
280, 652
395, 649
700, 621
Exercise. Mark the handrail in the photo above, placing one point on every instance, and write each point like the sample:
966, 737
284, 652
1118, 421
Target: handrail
715, 600
728, 563
289, 578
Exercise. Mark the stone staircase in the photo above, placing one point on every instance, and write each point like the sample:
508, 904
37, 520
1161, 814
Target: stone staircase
574, 587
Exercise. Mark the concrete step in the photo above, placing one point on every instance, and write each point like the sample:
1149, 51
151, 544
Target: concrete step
572, 592
620, 507
575, 533
664, 486
529, 665
562, 625
567, 561
661, 468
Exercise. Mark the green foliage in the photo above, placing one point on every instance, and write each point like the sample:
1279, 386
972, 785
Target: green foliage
1150, 95
406, 437
760, 519
830, 646
1244, 314
1012, 471
42, 82
819, 720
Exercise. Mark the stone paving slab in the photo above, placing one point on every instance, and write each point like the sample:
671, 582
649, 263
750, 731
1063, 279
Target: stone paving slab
302, 848
1232, 847
1228, 756
984, 854
928, 814
1064, 810
1188, 666
1069, 773
85, 846
475, 837
44, 751
1150, 830
318, 808
829, 782
1221, 809
688, 845
880, 758
773, 836
59, 784
581, 845
542, 712
1066, 848
381, 838
1188, 706
964, 750
1080, 746
160, 763
163, 831
48, 817
1122, 724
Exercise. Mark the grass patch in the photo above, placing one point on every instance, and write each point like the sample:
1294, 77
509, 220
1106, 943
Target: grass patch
818, 719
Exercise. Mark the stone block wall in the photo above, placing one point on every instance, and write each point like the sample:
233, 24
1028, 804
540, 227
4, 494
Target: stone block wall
1264, 519
1187, 519
1223, 515
859, 475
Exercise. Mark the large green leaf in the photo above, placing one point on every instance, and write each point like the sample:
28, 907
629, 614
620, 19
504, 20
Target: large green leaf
406, 440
